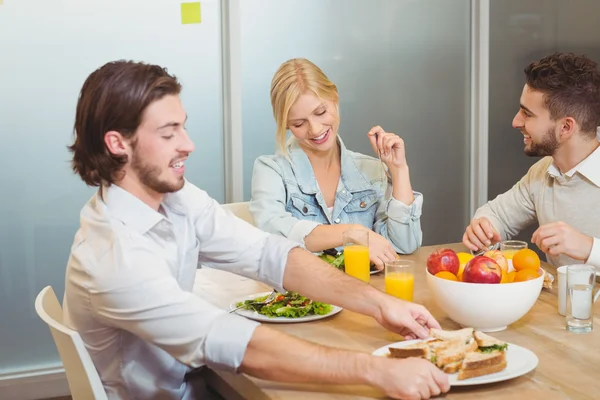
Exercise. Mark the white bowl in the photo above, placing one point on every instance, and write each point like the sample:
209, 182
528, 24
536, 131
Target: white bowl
485, 307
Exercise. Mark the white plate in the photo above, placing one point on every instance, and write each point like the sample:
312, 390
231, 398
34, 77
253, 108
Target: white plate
375, 271
263, 318
519, 361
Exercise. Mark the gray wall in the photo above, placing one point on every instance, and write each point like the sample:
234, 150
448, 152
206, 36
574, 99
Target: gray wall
522, 32
401, 64
48, 48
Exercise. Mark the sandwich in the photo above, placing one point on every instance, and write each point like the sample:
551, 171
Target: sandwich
478, 364
446, 348
419, 350
489, 358
468, 353
465, 334
449, 357
488, 344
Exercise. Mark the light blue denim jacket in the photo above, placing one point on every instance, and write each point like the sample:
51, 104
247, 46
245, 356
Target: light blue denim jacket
286, 199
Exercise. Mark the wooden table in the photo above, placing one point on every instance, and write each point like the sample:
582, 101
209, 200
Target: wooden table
569, 363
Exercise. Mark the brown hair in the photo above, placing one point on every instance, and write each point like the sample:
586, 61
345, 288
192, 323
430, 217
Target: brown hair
113, 98
292, 79
571, 87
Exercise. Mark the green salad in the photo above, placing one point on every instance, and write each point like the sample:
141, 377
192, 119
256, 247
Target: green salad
335, 258
289, 305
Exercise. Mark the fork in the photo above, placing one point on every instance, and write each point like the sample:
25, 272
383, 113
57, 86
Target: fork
258, 303
490, 247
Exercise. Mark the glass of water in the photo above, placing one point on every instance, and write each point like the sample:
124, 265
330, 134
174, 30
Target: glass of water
580, 286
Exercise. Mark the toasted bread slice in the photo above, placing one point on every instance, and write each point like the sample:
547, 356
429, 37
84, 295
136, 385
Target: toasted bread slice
484, 340
455, 351
474, 373
437, 344
420, 349
461, 334
452, 368
476, 360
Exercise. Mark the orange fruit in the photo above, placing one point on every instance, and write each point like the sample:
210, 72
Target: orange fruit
526, 274
464, 258
461, 269
510, 277
526, 259
446, 275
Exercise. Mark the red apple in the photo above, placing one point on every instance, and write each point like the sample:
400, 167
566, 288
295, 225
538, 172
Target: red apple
443, 260
497, 256
482, 269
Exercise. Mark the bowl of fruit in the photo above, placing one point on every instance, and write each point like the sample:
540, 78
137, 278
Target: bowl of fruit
487, 292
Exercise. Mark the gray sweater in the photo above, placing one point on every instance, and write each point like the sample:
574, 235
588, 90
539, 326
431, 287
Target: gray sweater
546, 195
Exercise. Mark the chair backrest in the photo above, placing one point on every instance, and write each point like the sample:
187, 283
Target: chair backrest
240, 210
83, 378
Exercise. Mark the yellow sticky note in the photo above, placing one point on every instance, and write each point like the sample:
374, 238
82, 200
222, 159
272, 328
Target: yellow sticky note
190, 13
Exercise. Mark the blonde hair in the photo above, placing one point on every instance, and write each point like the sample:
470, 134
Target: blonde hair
292, 79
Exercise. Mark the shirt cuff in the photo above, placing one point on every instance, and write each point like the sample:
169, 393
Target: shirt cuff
301, 230
400, 212
274, 259
594, 258
227, 341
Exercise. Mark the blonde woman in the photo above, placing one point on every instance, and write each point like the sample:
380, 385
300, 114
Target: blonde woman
313, 188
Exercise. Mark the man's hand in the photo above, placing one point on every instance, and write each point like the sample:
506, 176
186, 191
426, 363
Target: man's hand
405, 318
408, 379
559, 238
480, 234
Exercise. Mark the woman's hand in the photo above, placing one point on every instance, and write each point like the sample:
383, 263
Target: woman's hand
389, 147
380, 250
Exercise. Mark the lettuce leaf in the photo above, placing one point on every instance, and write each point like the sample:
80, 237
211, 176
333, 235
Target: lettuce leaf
336, 261
496, 347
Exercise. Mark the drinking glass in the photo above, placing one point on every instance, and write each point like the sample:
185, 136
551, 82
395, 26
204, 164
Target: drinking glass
356, 254
400, 279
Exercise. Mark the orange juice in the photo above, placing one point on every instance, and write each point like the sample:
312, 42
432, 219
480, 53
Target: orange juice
509, 253
400, 284
510, 247
356, 260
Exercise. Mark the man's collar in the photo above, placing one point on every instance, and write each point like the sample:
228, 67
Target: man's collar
129, 209
589, 168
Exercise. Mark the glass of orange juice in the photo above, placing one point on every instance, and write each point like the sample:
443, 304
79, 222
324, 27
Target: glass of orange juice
510, 247
356, 254
400, 279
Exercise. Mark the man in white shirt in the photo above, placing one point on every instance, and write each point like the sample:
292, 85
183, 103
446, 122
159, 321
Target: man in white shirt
558, 117
133, 261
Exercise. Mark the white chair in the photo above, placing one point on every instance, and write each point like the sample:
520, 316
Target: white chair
82, 376
240, 210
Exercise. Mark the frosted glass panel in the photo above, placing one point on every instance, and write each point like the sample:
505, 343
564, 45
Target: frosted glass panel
522, 32
46, 55
401, 64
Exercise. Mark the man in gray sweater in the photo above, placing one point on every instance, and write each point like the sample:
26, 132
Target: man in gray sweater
558, 117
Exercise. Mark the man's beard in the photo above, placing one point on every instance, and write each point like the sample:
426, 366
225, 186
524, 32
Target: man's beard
546, 147
149, 176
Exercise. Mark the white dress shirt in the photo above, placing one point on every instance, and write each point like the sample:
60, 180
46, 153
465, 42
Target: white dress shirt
129, 281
